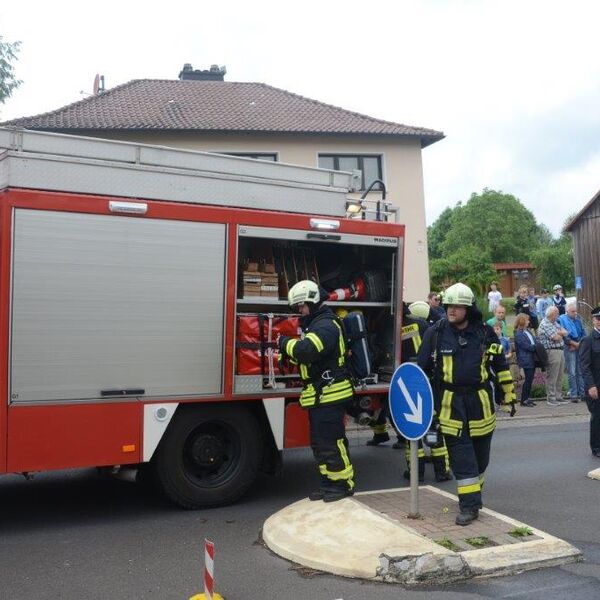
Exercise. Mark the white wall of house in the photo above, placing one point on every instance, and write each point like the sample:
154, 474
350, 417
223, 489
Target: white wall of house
401, 165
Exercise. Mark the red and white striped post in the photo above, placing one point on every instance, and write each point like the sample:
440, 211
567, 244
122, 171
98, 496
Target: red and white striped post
209, 574
209, 569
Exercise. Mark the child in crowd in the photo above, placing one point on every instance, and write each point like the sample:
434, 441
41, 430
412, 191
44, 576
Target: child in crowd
523, 306
543, 302
503, 340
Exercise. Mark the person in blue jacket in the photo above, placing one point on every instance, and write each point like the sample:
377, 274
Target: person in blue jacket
525, 348
572, 322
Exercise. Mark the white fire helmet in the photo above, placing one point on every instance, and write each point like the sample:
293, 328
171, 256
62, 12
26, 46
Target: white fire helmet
304, 291
419, 309
459, 294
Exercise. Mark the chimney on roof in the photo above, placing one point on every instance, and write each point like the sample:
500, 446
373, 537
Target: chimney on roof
215, 73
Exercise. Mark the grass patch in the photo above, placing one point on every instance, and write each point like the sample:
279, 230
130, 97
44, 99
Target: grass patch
480, 542
521, 532
449, 544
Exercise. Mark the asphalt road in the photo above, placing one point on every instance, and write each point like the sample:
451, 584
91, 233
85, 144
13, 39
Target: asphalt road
75, 535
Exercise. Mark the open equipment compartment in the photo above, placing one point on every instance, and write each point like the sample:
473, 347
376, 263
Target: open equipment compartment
358, 271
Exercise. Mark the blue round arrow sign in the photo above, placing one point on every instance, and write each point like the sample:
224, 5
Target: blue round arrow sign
411, 401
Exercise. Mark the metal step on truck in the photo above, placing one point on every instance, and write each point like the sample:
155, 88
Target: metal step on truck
142, 293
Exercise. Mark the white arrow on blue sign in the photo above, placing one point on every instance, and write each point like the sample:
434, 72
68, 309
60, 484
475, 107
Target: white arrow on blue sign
411, 401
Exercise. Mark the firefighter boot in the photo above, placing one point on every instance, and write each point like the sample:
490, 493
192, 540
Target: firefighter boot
398, 445
407, 476
420, 463
442, 473
467, 516
319, 493
378, 438
337, 491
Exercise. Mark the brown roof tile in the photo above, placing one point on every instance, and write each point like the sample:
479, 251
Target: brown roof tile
153, 104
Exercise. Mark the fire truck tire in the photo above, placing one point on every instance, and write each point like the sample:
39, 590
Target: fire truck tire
210, 455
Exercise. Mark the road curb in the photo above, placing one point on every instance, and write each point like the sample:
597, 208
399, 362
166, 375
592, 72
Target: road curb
594, 474
351, 539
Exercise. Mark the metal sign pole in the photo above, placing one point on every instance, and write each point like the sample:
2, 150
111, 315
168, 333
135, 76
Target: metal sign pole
414, 480
411, 409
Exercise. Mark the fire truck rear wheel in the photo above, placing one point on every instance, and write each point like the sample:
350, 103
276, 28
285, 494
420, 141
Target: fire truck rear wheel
210, 455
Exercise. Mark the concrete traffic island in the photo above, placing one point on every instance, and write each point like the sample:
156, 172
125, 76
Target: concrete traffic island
369, 536
594, 474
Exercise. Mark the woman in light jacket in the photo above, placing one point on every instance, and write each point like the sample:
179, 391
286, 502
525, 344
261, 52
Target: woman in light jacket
525, 347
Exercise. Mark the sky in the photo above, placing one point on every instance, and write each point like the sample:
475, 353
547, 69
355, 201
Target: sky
514, 85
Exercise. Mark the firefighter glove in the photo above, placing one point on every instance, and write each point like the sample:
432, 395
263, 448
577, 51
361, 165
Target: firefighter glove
282, 362
282, 342
509, 407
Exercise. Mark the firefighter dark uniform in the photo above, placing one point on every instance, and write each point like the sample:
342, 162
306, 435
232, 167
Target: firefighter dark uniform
321, 358
462, 362
413, 331
589, 359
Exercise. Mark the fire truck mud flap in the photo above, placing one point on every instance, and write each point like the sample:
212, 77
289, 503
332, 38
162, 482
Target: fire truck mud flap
210, 454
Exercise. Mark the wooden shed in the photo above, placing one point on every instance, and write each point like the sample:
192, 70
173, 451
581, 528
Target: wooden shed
585, 228
512, 275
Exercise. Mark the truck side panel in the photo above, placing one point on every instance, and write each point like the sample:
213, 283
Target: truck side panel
75, 435
5, 242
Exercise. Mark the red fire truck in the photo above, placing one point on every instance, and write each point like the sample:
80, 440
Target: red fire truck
130, 276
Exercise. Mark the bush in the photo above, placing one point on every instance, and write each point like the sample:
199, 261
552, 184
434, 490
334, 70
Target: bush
538, 391
509, 304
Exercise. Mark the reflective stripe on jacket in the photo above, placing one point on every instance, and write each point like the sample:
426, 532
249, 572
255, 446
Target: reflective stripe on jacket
321, 356
464, 362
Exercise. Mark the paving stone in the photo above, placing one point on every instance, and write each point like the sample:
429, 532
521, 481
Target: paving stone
437, 523
503, 538
461, 544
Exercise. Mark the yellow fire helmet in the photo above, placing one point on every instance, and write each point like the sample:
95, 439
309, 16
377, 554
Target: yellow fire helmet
341, 312
459, 294
419, 309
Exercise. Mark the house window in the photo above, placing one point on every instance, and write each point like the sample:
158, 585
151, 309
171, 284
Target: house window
256, 155
370, 166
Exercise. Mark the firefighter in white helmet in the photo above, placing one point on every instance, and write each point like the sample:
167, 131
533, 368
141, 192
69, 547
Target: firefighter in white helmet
420, 309
321, 357
462, 356
414, 327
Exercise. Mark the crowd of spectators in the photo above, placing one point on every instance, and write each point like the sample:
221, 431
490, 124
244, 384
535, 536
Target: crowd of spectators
549, 341
546, 324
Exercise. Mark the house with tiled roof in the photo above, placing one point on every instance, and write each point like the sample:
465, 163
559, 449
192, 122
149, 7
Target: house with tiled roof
202, 111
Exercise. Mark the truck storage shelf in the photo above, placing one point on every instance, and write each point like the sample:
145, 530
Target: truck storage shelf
265, 301
295, 391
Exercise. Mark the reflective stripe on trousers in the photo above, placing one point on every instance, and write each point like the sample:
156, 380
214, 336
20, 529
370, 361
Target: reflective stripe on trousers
329, 444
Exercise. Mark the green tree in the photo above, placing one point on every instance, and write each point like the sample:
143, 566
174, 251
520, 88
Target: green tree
439, 269
8, 81
545, 236
554, 263
470, 265
436, 233
495, 222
